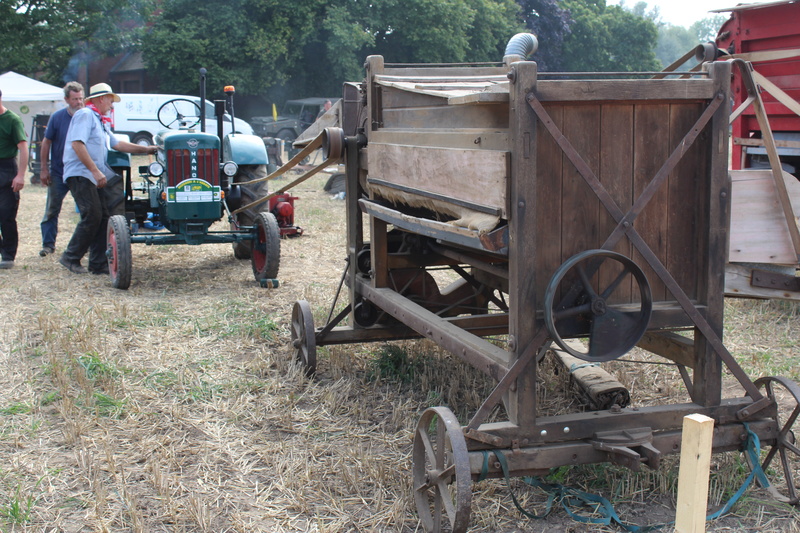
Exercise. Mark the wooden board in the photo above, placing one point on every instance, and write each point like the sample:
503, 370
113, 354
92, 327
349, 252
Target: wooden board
473, 176
758, 232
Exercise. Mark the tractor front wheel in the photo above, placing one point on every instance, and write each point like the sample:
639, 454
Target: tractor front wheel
265, 255
118, 251
250, 193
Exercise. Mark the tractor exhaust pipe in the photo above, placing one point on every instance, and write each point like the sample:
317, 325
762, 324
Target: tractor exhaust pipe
203, 100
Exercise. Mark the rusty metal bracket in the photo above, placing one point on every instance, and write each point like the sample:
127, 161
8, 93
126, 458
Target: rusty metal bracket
628, 447
775, 280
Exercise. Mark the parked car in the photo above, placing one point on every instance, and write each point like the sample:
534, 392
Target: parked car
136, 115
297, 115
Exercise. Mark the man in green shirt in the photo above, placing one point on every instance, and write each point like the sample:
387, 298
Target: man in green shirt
13, 144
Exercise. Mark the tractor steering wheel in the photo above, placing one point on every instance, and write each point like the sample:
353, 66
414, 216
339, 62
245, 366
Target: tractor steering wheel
179, 113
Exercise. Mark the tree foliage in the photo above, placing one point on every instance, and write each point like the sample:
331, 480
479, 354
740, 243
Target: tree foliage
551, 23
44, 35
608, 38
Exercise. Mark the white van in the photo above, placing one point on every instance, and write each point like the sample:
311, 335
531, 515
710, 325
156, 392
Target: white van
136, 115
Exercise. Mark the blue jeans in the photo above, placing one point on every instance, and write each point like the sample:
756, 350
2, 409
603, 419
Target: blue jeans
56, 192
90, 233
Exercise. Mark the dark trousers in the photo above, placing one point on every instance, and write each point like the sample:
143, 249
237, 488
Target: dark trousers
90, 233
9, 203
56, 192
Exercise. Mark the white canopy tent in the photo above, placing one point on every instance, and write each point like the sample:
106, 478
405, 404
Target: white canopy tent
28, 97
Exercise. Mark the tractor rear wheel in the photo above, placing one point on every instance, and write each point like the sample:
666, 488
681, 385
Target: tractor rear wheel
118, 251
250, 193
265, 255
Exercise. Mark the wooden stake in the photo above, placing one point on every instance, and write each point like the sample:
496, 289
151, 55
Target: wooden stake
698, 432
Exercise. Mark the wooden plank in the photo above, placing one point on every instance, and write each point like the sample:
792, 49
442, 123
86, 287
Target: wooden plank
758, 232
696, 443
686, 181
610, 90
521, 402
738, 283
580, 205
549, 164
475, 176
446, 117
669, 345
651, 150
616, 175
473, 138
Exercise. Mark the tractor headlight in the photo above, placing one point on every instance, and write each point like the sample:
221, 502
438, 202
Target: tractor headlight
155, 168
229, 168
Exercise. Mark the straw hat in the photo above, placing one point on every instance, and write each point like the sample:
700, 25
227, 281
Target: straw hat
101, 89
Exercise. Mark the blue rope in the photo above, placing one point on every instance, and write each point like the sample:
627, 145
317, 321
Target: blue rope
570, 498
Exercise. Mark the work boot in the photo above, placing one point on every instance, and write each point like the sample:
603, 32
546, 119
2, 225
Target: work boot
6, 264
75, 268
46, 250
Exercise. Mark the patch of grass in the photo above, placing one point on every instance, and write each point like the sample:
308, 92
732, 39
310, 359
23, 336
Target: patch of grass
16, 409
50, 397
16, 510
97, 368
393, 364
237, 318
161, 380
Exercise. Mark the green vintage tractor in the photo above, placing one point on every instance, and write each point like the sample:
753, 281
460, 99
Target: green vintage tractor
196, 180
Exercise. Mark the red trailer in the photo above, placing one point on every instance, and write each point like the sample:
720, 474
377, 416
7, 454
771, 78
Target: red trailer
768, 35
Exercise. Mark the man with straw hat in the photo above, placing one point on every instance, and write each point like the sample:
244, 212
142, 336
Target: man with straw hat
86, 173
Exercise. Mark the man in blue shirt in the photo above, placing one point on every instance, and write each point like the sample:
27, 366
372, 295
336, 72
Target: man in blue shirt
52, 174
86, 173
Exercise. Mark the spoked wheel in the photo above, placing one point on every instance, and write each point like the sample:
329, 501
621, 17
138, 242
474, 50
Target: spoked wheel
304, 345
265, 255
118, 252
442, 479
602, 295
179, 113
780, 461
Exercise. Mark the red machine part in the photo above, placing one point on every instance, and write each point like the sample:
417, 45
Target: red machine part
282, 206
759, 28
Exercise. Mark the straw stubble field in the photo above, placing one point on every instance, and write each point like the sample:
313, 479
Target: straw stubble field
173, 406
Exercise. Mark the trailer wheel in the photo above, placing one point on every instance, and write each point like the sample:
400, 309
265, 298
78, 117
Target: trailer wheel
250, 193
442, 481
780, 457
265, 256
118, 252
576, 304
304, 344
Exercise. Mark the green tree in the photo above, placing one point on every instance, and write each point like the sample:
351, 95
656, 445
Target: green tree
249, 43
44, 35
550, 22
674, 42
310, 47
608, 38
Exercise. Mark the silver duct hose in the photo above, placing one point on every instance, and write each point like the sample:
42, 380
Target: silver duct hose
519, 47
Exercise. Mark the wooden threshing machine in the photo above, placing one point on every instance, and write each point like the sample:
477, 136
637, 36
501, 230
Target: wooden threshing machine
588, 212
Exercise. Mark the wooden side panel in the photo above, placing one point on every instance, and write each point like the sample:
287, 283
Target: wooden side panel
473, 176
549, 164
651, 127
616, 175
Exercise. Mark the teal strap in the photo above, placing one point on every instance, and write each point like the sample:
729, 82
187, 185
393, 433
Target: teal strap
504, 465
754, 453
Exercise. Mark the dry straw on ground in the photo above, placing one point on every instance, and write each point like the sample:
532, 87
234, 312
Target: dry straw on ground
173, 406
